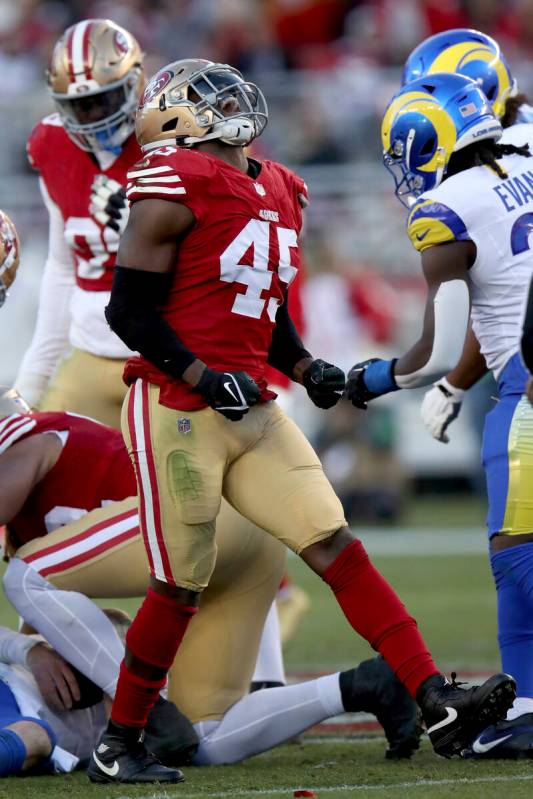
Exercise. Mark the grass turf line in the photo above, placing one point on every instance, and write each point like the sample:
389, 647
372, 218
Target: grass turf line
453, 599
332, 770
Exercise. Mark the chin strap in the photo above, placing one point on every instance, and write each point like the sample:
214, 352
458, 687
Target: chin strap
236, 131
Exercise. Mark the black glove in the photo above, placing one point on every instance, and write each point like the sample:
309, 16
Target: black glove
356, 389
324, 383
230, 393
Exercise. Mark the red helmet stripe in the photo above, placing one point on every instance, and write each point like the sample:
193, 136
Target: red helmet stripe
86, 65
70, 39
79, 65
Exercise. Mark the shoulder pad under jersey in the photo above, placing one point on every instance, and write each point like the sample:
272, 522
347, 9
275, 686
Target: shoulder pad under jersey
39, 143
431, 222
167, 173
294, 182
519, 134
14, 427
525, 113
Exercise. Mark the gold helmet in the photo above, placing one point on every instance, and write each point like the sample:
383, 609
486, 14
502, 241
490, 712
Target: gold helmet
9, 254
12, 402
96, 78
193, 100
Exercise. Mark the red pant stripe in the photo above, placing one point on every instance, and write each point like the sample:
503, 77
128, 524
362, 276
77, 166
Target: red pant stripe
107, 525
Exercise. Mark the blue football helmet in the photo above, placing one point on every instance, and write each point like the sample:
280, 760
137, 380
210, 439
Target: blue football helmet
465, 52
428, 120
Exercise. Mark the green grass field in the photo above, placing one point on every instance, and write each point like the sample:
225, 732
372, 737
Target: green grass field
452, 597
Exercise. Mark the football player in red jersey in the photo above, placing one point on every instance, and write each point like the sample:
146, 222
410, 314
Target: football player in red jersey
82, 153
200, 290
67, 543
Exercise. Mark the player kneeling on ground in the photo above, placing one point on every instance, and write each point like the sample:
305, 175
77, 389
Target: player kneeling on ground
102, 553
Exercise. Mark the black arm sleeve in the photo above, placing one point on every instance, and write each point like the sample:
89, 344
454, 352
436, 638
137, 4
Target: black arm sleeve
132, 314
527, 332
286, 348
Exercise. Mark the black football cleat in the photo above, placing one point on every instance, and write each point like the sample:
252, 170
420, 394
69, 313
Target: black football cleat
373, 688
454, 716
169, 735
506, 740
123, 758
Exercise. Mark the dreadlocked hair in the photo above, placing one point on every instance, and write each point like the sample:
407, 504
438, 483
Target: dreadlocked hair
484, 153
512, 106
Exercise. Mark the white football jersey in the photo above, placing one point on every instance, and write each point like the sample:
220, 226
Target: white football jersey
497, 215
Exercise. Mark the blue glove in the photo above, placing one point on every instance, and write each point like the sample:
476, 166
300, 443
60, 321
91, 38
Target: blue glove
370, 379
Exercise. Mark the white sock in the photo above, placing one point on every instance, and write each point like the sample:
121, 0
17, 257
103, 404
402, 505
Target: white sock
76, 628
267, 718
269, 665
521, 705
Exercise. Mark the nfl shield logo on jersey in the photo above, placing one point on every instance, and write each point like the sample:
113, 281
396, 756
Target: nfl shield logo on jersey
184, 425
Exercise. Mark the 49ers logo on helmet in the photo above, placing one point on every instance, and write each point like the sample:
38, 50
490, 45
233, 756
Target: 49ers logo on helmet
9, 239
121, 43
155, 86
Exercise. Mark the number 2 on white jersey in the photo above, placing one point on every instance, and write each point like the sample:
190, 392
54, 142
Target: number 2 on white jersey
257, 278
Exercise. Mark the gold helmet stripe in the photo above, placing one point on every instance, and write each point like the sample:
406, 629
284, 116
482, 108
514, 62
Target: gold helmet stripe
395, 108
455, 57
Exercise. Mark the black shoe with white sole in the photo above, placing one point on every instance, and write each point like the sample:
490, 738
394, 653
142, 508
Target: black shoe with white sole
121, 757
506, 740
373, 688
454, 716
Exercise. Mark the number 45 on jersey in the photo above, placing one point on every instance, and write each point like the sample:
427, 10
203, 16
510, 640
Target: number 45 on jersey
258, 278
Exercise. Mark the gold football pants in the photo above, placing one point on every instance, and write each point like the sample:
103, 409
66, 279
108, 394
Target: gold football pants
103, 556
88, 385
185, 462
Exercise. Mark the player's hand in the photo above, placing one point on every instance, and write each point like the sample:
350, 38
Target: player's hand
108, 203
53, 676
440, 406
230, 393
324, 383
356, 389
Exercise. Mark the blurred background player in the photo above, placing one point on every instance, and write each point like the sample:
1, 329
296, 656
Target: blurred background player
507, 427
82, 153
9, 255
441, 143
56, 567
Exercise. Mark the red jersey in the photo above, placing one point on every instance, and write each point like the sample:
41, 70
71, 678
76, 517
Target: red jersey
68, 173
233, 268
92, 469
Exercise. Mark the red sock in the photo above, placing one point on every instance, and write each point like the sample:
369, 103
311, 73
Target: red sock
134, 699
375, 612
153, 638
